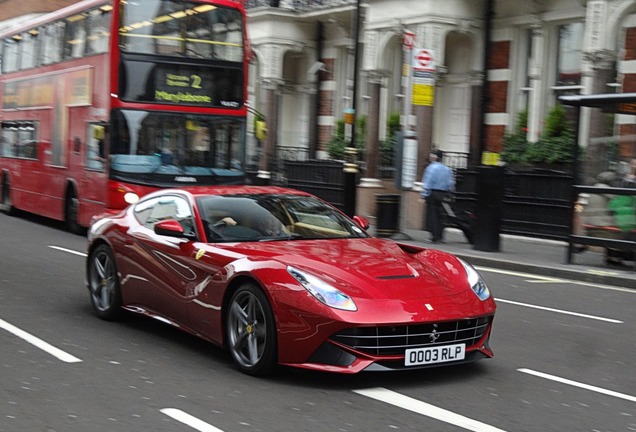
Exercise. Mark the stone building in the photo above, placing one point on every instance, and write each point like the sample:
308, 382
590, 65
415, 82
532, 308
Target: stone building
468, 93
538, 50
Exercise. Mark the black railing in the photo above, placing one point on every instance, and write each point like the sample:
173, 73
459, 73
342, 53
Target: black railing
288, 153
298, 5
535, 204
323, 178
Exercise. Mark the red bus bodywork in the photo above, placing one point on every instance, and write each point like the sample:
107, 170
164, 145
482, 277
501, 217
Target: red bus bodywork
63, 99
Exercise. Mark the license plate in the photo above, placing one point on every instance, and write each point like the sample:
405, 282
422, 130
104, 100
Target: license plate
432, 355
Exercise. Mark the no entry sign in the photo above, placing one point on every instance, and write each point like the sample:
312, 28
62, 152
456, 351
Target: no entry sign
423, 59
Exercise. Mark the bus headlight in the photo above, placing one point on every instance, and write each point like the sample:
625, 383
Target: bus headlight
131, 197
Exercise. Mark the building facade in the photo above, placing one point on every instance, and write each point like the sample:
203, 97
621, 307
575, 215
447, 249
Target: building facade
483, 63
537, 51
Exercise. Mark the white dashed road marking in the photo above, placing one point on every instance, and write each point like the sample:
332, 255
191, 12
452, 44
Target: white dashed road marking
610, 320
189, 420
39, 343
423, 408
532, 278
579, 385
68, 250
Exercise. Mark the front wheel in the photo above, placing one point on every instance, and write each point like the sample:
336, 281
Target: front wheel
251, 331
71, 212
103, 284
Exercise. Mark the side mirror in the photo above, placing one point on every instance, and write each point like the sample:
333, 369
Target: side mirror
362, 222
171, 228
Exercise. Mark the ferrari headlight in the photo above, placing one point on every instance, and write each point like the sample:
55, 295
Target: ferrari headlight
477, 284
324, 292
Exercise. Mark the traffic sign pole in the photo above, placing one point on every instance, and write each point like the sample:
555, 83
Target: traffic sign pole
408, 43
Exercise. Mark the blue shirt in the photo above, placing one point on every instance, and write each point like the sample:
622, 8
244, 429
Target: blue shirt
437, 176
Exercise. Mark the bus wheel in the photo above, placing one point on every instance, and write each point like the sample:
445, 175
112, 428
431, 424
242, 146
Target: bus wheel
6, 206
71, 211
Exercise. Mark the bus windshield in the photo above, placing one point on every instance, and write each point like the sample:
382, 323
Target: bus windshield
181, 29
165, 147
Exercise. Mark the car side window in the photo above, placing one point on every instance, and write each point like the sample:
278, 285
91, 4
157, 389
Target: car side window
154, 210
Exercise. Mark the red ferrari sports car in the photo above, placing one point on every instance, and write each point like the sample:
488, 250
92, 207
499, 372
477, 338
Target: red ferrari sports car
279, 277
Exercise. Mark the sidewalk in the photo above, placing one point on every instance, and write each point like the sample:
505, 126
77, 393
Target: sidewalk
530, 255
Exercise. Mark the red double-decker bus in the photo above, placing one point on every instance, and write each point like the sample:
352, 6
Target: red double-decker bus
104, 100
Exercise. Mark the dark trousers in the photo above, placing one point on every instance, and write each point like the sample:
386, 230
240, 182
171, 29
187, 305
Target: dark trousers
434, 215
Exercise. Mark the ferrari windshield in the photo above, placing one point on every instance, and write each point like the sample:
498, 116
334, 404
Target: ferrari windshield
262, 217
181, 29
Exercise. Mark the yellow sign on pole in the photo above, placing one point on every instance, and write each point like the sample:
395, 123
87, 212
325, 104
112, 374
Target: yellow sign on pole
423, 94
423, 88
490, 158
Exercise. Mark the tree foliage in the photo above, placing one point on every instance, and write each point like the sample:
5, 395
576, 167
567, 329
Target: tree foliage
338, 141
387, 146
554, 147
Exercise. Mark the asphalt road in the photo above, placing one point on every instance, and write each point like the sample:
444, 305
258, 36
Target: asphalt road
564, 361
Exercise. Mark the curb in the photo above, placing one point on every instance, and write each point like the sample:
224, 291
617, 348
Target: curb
578, 272
591, 275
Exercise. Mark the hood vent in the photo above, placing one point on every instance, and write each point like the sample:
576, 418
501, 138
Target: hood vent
409, 276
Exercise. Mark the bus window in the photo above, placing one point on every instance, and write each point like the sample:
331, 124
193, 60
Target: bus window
75, 36
225, 33
29, 50
27, 149
52, 43
11, 54
18, 139
9, 139
183, 29
95, 140
167, 143
99, 24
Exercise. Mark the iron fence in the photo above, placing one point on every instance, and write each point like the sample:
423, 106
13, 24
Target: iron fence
298, 5
536, 203
323, 178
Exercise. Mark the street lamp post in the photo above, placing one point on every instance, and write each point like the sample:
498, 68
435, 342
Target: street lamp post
350, 166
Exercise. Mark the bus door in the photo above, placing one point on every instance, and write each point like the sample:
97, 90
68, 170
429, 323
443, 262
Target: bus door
55, 169
48, 203
93, 179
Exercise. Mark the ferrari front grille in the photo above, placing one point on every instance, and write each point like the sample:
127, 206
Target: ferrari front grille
393, 340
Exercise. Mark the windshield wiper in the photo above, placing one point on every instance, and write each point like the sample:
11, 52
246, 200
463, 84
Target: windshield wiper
291, 236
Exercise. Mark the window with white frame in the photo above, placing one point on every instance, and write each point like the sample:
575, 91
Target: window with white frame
526, 66
569, 57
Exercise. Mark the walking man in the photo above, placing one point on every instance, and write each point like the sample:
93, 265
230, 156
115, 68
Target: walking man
438, 182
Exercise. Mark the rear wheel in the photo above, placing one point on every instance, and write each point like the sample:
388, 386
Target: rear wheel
103, 284
251, 331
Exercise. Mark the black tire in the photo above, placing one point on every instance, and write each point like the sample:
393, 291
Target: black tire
103, 284
6, 206
71, 209
251, 331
